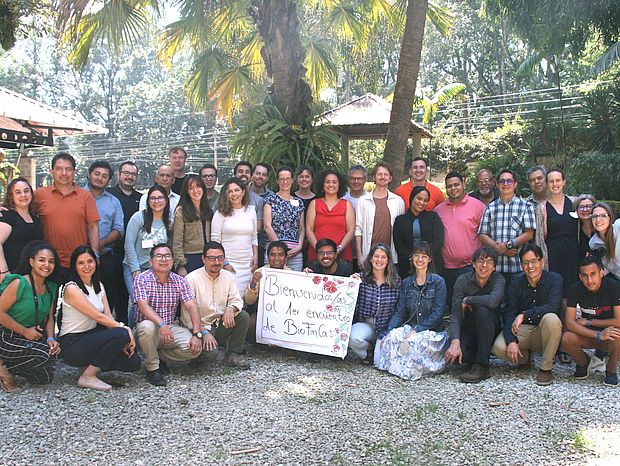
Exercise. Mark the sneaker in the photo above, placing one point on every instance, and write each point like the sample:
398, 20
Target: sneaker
544, 378
477, 374
611, 379
236, 360
582, 372
155, 378
597, 365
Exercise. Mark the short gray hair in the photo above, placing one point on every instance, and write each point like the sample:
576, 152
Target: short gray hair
535, 169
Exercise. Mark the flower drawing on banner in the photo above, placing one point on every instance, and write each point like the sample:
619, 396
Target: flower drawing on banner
352, 283
344, 336
325, 279
329, 308
330, 287
336, 349
340, 281
316, 280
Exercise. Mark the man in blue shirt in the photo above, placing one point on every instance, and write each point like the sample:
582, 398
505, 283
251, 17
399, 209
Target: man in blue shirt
531, 319
111, 228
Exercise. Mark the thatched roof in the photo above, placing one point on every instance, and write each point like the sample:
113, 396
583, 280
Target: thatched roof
26, 121
366, 117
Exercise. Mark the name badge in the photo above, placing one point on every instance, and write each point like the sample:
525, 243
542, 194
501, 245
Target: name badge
147, 243
294, 202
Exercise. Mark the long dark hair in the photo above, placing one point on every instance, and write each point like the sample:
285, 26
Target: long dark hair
74, 276
148, 212
30, 251
9, 202
190, 214
320, 182
224, 206
414, 192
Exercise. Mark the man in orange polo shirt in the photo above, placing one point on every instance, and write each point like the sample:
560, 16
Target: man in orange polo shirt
417, 177
68, 213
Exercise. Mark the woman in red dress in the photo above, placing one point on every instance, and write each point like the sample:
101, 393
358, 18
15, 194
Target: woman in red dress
330, 216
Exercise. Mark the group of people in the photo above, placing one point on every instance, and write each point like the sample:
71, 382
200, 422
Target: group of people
99, 274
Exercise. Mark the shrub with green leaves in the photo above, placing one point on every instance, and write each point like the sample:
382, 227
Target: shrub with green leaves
595, 173
264, 136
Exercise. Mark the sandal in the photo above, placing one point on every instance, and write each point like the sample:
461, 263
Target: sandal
7, 380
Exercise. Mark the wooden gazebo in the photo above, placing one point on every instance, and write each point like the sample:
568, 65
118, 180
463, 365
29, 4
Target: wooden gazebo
26, 124
367, 117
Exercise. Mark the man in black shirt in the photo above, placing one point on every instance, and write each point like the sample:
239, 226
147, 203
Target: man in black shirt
130, 200
328, 262
597, 325
531, 321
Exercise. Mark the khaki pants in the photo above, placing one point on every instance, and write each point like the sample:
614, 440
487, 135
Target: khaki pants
544, 338
147, 336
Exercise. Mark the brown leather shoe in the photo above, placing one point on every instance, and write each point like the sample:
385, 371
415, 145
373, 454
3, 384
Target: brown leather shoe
477, 374
236, 360
544, 377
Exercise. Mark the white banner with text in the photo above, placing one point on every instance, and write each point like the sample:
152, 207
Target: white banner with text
306, 312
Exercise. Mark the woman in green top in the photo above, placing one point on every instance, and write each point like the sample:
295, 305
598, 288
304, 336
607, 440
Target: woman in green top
27, 344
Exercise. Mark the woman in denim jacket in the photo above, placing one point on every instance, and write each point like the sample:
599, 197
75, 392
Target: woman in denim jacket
416, 340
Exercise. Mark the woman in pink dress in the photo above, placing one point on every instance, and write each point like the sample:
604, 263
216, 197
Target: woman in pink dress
330, 216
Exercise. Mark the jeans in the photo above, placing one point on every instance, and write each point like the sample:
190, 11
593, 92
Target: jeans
450, 276
112, 276
128, 276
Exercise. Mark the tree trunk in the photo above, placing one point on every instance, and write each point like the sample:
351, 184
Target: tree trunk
404, 92
278, 25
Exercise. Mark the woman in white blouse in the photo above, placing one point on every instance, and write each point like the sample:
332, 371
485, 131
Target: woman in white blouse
89, 336
234, 226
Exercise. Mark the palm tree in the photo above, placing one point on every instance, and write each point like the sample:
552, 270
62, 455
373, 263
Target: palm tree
404, 91
241, 43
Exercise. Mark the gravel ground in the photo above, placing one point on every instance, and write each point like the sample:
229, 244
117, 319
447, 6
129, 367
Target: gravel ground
289, 411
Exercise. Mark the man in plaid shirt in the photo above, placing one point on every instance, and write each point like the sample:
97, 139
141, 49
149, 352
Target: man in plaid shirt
158, 293
507, 223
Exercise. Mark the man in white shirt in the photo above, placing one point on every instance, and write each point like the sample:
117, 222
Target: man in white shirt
222, 317
375, 214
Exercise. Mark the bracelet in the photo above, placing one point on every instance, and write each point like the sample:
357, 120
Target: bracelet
162, 324
205, 332
51, 339
598, 336
226, 263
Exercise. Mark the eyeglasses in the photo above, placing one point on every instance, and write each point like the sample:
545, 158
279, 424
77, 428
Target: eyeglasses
585, 208
221, 257
164, 175
162, 257
357, 178
485, 180
599, 216
506, 181
129, 174
533, 262
421, 256
485, 261
326, 253
207, 177
157, 198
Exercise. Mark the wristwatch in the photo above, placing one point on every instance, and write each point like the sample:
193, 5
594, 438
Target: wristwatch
198, 335
510, 244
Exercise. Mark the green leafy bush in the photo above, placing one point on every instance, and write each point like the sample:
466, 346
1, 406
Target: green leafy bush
264, 136
595, 173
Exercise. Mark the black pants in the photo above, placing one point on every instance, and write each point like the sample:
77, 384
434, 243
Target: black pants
479, 328
30, 359
101, 347
111, 270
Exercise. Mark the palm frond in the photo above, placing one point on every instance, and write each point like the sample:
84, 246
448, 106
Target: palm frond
204, 70
607, 60
249, 54
320, 64
530, 64
448, 92
229, 89
441, 17
348, 21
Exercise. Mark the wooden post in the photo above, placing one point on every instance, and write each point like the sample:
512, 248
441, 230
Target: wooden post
345, 151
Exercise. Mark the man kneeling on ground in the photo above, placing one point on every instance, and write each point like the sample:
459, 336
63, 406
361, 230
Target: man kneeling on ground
222, 317
531, 319
474, 322
276, 257
158, 292
598, 327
